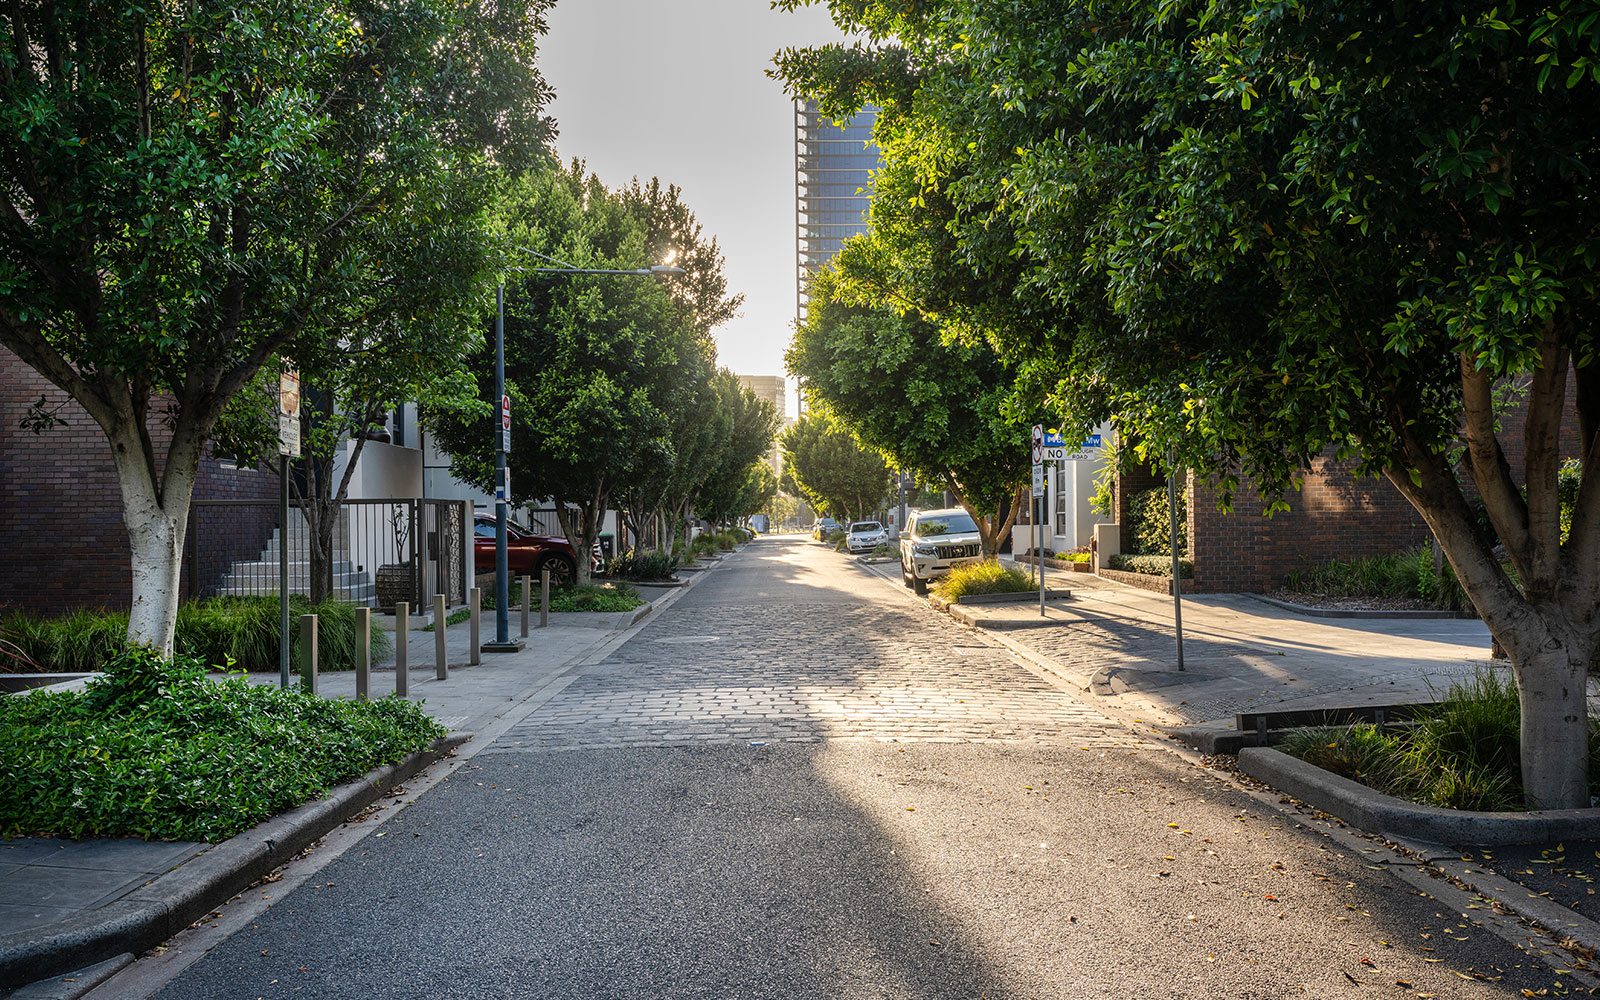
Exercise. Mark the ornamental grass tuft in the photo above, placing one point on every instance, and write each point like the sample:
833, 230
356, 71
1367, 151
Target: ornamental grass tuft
1465, 756
243, 630
158, 750
982, 578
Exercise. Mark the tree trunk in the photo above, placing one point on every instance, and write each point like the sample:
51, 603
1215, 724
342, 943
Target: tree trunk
1551, 684
157, 523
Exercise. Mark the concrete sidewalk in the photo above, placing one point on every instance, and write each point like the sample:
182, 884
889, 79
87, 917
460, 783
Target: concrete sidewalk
48, 885
1241, 654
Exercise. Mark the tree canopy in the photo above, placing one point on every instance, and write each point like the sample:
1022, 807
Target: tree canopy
831, 469
1254, 233
939, 409
615, 395
189, 191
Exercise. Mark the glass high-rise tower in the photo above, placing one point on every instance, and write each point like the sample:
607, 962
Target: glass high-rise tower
833, 167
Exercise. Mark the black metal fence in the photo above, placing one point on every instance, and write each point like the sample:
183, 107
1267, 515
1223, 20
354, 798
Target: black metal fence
383, 550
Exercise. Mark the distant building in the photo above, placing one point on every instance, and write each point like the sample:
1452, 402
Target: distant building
833, 167
773, 389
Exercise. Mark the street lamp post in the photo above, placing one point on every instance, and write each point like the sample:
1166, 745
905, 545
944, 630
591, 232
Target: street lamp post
502, 642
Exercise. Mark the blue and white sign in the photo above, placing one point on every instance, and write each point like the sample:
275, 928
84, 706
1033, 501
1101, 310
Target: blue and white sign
1091, 450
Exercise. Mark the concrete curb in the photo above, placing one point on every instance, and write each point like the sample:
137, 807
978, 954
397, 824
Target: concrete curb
151, 914
1388, 816
1020, 597
1301, 609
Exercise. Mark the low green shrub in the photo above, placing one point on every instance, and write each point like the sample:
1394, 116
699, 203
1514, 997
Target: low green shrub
1408, 573
1076, 557
704, 544
982, 578
644, 564
155, 749
1465, 756
243, 630
594, 597
884, 550
1150, 565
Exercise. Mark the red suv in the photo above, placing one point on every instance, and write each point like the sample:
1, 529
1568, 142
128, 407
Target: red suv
526, 553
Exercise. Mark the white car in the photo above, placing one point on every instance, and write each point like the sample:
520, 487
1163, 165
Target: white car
864, 536
936, 542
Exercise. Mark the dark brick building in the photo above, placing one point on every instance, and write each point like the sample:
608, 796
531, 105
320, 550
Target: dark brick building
63, 544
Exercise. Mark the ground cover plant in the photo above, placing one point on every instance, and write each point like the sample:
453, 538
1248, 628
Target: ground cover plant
156, 749
1466, 756
594, 597
982, 578
1150, 565
645, 564
240, 630
1406, 574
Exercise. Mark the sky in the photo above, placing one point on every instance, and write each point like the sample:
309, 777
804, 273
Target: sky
677, 89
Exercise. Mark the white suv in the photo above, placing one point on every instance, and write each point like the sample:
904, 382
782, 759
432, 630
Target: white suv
934, 543
864, 536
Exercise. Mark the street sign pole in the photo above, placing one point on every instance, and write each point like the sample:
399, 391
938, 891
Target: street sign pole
1177, 580
502, 572
288, 445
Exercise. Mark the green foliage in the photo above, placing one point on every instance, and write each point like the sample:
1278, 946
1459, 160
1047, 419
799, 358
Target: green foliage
1152, 521
1465, 756
459, 615
200, 192
594, 597
1076, 557
982, 578
1150, 564
644, 564
599, 367
157, 750
834, 473
1261, 233
1398, 574
238, 630
937, 407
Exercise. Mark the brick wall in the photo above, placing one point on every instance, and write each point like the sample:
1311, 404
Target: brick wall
1333, 516
62, 541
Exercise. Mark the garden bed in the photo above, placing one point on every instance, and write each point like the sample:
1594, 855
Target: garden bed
1146, 581
159, 750
237, 631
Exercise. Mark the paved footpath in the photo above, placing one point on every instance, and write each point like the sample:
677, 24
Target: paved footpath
798, 781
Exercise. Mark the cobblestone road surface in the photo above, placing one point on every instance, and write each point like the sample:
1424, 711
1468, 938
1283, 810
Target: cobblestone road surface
854, 662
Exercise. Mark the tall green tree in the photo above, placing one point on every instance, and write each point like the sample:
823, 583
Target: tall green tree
751, 423
940, 409
189, 191
1261, 232
834, 473
594, 363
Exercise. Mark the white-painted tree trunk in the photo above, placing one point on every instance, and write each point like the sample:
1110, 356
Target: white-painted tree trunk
1555, 729
156, 523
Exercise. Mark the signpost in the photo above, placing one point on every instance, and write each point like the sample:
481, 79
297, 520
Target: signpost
288, 446
1037, 504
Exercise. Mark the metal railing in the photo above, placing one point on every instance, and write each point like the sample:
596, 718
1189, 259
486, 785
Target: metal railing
383, 550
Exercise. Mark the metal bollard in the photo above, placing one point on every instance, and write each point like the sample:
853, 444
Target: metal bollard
363, 653
441, 665
527, 600
308, 653
474, 606
402, 638
544, 597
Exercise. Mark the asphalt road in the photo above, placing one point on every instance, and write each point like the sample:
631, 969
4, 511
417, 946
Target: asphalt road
798, 782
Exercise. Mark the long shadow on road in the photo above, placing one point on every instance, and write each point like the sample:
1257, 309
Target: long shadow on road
717, 810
